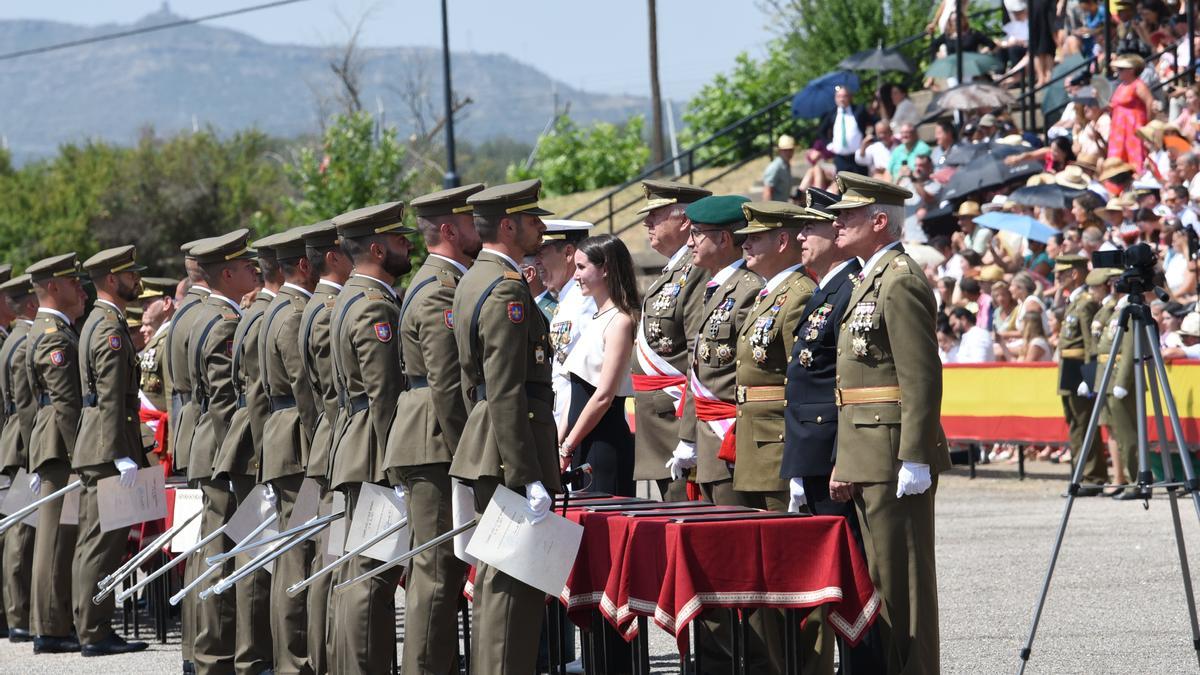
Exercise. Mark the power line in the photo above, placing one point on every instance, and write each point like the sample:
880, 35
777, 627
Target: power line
139, 31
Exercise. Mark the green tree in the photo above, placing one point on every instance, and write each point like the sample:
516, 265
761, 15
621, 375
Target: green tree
573, 159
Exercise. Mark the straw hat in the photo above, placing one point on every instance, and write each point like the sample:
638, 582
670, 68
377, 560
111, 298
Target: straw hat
1129, 61
1191, 325
1072, 177
968, 209
1089, 163
786, 142
1115, 205
991, 273
1152, 132
1113, 167
1040, 179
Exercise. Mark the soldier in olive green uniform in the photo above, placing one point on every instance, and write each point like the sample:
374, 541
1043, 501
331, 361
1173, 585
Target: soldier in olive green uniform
108, 376
1099, 282
155, 385
890, 444
7, 316
228, 263
333, 267
285, 437
670, 321
509, 438
367, 368
52, 361
430, 416
20, 407
1120, 404
1075, 344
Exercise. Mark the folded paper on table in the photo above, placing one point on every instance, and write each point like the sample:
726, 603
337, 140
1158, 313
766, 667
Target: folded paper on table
335, 536
463, 503
70, 505
19, 496
188, 503
307, 504
121, 506
378, 508
540, 555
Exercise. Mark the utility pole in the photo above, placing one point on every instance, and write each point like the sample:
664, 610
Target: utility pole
656, 121
451, 178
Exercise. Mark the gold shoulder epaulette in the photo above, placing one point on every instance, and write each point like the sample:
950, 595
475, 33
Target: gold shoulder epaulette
515, 276
448, 280
230, 316
373, 294
51, 329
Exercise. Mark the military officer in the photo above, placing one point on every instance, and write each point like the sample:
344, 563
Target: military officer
108, 377
285, 435
228, 264
572, 311
1120, 405
418, 456
20, 407
7, 316
158, 306
671, 314
333, 266
52, 362
367, 368
509, 438
888, 454
1099, 283
1075, 344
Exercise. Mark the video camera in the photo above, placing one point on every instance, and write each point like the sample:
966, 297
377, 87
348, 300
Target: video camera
1138, 261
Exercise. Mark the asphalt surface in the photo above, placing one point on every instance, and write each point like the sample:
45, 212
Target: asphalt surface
1116, 602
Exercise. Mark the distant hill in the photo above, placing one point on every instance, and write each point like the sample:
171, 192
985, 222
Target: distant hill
202, 75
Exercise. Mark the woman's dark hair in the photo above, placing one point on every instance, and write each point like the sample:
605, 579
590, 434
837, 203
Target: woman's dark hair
884, 96
1064, 146
609, 252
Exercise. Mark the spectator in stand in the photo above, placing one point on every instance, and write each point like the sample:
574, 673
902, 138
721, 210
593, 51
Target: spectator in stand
882, 107
1131, 106
972, 40
1188, 120
777, 179
1037, 347
1188, 168
974, 342
987, 129
1016, 34
947, 341
944, 138
925, 193
945, 294
974, 237
876, 151
1092, 139
1175, 199
1004, 312
904, 154
1042, 17
1189, 336
1092, 15
1127, 39
972, 297
1178, 266
906, 111
842, 129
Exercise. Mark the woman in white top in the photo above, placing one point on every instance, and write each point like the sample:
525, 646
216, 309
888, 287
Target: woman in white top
596, 432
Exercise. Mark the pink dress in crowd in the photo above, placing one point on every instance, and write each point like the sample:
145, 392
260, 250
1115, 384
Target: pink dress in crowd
1128, 115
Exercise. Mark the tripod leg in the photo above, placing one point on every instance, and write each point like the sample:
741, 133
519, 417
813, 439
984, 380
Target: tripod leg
1072, 490
1145, 477
1185, 456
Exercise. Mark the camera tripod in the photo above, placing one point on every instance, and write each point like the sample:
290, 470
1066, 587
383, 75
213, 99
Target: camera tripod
1148, 368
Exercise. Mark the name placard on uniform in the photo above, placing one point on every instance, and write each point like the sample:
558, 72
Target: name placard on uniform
463, 510
18, 496
188, 503
378, 508
540, 554
70, 505
121, 506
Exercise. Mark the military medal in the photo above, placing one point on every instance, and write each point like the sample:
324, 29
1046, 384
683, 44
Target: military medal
759, 353
724, 354
806, 358
539, 354
653, 329
560, 339
704, 351
665, 344
811, 334
858, 344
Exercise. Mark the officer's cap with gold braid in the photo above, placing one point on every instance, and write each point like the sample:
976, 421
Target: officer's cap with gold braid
371, 220
661, 193
1098, 276
64, 265
509, 199
157, 287
113, 261
285, 245
186, 248
17, 286
572, 231
1069, 261
448, 202
858, 190
320, 236
224, 248
133, 316
767, 216
816, 198
5, 272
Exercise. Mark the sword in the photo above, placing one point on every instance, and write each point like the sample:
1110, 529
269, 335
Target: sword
243, 544
295, 588
123, 595
308, 524
109, 583
19, 515
436, 541
260, 561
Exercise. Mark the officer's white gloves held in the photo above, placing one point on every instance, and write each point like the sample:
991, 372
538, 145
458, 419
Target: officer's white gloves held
35, 483
539, 501
128, 469
1120, 392
402, 498
682, 459
1082, 390
797, 497
913, 479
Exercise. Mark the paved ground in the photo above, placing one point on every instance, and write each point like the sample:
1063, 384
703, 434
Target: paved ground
1116, 604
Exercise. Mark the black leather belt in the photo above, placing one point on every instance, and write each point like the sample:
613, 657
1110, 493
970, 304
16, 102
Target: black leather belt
183, 397
541, 392
282, 403
90, 400
417, 381
43, 400
241, 401
359, 403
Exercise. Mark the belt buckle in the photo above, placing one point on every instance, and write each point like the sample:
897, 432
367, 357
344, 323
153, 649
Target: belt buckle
837, 396
471, 394
741, 394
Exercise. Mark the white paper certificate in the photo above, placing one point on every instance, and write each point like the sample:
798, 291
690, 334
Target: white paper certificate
540, 555
121, 507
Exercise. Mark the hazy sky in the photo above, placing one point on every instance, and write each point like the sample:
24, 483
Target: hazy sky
599, 46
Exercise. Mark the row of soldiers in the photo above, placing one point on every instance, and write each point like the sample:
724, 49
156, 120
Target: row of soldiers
778, 339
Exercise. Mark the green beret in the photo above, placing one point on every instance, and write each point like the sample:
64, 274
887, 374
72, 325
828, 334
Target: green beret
717, 210
767, 216
371, 220
667, 192
113, 260
65, 265
446, 202
858, 190
227, 247
505, 200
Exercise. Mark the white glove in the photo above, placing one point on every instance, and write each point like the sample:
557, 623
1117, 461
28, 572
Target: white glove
1120, 392
913, 480
128, 469
1083, 389
682, 459
539, 501
269, 494
798, 498
35, 483
402, 497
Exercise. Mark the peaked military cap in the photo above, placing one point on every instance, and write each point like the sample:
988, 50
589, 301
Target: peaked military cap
133, 316
767, 216
446, 202
65, 265
821, 200
1069, 261
717, 210
113, 260
1101, 275
510, 198
187, 247
227, 247
283, 245
5, 272
858, 190
567, 230
378, 219
17, 286
320, 236
157, 287
661, 193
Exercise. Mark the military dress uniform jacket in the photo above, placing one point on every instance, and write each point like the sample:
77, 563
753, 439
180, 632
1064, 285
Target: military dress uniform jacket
763, 347
671, 316
16, 396
889, 376
504, 352
240, 452
431, 413
713, 367
108, 375
210, 361
1075, 341
293, 417
152, 361
366, 363
318, 369
181, 424
1123, 375
810, 437
52, 361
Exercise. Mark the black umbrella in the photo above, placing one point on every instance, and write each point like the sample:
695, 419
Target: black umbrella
878, 60
964, 153
986, 172
1050, 196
